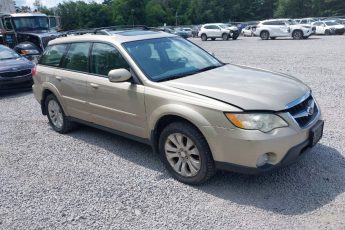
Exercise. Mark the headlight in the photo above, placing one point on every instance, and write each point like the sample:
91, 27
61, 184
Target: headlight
264, 122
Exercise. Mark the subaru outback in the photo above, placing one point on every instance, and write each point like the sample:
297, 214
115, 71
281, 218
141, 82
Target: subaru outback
198, 113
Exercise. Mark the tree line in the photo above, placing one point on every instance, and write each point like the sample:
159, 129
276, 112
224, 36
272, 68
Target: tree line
75, 15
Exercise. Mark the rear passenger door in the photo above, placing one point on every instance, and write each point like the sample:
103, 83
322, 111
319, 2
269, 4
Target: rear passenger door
72, 77
119, 105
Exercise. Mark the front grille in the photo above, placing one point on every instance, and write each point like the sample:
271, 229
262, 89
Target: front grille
305, 112
45, 40
18, 73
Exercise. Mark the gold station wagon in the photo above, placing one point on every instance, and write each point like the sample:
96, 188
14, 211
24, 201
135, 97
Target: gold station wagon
198, 113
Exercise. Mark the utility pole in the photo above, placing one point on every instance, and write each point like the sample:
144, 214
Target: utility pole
132, 17
176, 16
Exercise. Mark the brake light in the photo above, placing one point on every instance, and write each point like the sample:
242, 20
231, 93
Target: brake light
33, 71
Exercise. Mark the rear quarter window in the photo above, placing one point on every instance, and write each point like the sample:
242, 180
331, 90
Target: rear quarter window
53, 55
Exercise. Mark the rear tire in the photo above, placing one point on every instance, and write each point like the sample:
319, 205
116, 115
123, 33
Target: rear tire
327, 32
56, 115
264, 35
186, 154
203, 37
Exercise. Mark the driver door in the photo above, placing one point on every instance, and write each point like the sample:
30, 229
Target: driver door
118, 106
284, 29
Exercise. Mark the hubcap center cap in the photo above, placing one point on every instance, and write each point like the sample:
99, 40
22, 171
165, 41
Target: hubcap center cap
183, 154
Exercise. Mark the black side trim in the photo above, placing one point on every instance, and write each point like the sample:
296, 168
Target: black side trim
293, 155
116, 132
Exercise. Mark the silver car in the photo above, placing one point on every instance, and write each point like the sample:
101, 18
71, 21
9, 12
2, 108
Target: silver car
196, 112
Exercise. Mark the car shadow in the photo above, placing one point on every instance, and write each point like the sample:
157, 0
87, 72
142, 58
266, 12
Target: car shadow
291, 39
307, 185
15, 93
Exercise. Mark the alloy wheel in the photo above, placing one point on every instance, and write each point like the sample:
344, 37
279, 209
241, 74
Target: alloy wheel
182, 155
55, 114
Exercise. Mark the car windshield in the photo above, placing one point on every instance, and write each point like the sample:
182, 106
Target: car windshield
6, 53
164, 59
224, 26
31, 23
331, 23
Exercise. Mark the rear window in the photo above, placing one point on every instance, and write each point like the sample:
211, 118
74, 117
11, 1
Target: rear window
53, 55
77, 57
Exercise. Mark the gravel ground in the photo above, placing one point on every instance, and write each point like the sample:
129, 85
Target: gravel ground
90, 179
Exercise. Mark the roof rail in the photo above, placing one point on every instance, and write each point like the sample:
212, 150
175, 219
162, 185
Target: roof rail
113, 28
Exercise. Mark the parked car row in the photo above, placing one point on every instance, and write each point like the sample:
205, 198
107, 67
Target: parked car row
15, 71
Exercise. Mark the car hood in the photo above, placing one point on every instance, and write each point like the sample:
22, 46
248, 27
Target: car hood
244, 87
15, 64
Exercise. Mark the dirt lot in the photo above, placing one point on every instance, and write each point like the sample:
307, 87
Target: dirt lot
91, 179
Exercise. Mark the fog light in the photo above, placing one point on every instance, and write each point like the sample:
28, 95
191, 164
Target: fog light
262, 160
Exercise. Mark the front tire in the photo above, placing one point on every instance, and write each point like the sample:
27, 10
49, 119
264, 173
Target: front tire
186, 154
225, 37
56, 115
297, 35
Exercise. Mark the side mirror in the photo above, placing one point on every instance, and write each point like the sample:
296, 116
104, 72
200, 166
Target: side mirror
119, 75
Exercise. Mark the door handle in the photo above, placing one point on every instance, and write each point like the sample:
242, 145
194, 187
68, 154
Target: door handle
58, 78
93, 85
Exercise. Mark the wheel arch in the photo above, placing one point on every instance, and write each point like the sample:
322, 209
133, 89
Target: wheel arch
48, 89
300, 30
264, 30
158, 123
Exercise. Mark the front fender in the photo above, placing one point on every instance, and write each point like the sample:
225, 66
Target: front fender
182, 111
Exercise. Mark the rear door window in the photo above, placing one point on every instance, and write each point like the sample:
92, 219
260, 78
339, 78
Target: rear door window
53, 55
77, 57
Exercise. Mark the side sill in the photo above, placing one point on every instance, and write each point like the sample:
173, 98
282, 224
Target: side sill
113, 131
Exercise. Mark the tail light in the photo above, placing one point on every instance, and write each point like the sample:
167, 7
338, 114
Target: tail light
33, 71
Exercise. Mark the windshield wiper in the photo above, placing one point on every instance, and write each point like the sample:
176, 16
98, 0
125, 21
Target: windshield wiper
207, 68
176, 76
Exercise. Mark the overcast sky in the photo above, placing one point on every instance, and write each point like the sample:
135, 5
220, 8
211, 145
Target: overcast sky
47, 3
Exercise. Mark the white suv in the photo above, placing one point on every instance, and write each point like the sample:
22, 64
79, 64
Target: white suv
282, 28
218, 30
